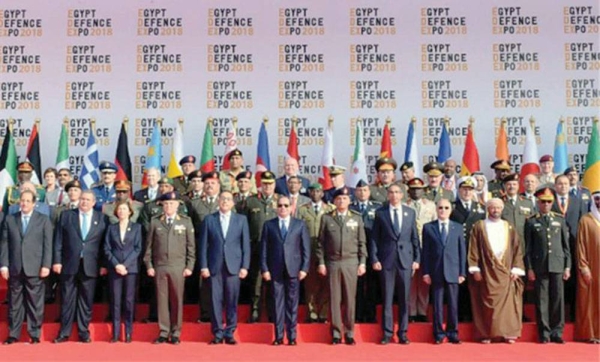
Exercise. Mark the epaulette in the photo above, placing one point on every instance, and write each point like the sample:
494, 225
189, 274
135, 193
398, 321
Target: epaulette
554, 214
354, 212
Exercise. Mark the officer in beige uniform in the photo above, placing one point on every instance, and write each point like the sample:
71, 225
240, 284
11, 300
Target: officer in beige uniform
123, 192
228, 176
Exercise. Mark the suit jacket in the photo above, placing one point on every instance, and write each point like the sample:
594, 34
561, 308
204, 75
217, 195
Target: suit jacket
69, 246
443, 260
126, 251
547, 243
232, 249
385, 243
29, 251
170, 246
142, 195
282, 189
291, 254
575, 210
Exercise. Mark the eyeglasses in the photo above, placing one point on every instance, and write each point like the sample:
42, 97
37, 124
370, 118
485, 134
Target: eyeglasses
121, 192
546, 201
283, 205
443, 207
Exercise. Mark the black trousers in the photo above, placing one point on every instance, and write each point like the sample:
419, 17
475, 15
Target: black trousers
26, 297
77, 292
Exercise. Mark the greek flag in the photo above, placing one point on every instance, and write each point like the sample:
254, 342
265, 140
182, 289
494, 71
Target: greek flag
89, 169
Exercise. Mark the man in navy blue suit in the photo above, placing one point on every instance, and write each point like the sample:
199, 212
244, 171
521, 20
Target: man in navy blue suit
77, 260
443, 265
290, 168
285, 257
394, 251
224, 259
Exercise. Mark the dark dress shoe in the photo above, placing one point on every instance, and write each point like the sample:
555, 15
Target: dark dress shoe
128, 338
292, 342
544, 341
253, 319
385, 340
439, 341
61, 339
114, 340
403, 340
557, 339
216, 341
175, 340
455, 341
10, 340
85, 340
149, 320
278, 342
161, 340
412, 319
230, 341
34, 340
350, 341
336, 341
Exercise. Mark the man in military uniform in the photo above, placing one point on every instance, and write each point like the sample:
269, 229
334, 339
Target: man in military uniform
170, 257
434, 190
24, 174
516, 208
576, 190
368, 285
342, 255
123, 191
466, 211
73, 190
259, 209
199, 208
502, 169
150, 193
548, 263
315, 286
425, 212
408, 172
195, 188
546, 174
244, 183
228, 177
338, 179
181, 183
386, 175
105, 190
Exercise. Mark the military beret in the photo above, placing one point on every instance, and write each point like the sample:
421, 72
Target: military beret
545, 194
169, 196
235, 152
165, 180
315, 186
336, 170
71, 184
511, 177
267, 177
108, 167
386, 163
361, 183
122, 185
570, 169
546, 158
416, 183
187, 159
467, 181
501, 165
25, 166
212, 175
407, 165
244, 174
194, 174
433, 169
344, 191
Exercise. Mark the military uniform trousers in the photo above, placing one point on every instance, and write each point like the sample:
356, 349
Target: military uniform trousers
342, 288
25, 298
419, 295
316, 288
170, 283
549, 305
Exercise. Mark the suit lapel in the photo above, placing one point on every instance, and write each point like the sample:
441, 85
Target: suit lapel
19, 216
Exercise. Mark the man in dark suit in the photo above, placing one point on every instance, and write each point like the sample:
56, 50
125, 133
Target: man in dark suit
224, 252
444, 267
548, 263
25, 260
576, 189
285, 257
290, 168
78, 237
170, 258
395, 252
149, 193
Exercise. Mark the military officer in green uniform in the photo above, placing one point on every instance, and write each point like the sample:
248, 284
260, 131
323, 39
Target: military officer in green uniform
316, 287
123, 191
73, 189
548, 261
502, 169
386, 175
182, 183
516, 207
24, 173
434, 190
259, 209
244, 183
152, 208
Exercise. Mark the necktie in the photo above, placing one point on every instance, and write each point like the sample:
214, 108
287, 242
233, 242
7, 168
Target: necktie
107, 190
434, 193
284, 229
169, 221
224, 224
467, 206
151, 194
396, 222
316, 209
444, 232
362, 208
25, 223
512, 202
84, 225
61, 194
573, 192
562, 202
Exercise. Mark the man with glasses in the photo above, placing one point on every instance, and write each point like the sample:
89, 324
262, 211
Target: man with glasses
548, 262
285, 257
224, 260
444, 268
395, 252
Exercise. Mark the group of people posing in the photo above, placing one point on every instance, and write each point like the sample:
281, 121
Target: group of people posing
214, 237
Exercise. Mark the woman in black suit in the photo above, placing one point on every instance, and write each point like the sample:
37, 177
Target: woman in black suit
122, 246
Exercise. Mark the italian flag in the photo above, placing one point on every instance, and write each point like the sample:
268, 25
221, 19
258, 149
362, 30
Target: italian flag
62, 156
8, 163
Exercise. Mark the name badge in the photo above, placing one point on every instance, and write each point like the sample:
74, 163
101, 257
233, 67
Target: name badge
555, 223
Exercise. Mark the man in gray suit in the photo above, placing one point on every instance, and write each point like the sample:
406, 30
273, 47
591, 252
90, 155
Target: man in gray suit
25, 260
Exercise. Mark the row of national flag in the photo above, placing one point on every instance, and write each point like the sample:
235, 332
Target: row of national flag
470, 159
